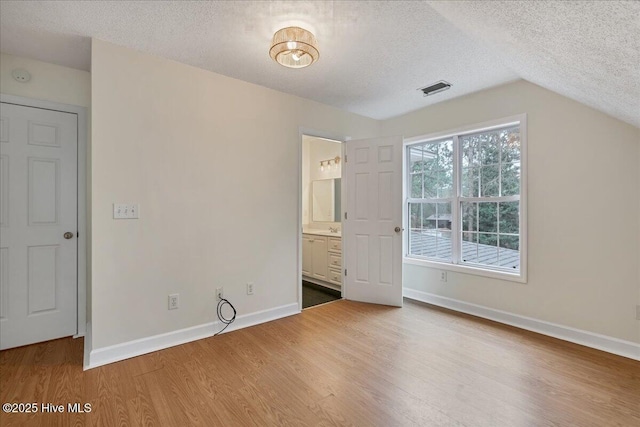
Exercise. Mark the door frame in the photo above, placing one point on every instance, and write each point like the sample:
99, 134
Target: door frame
303, 131
82, 238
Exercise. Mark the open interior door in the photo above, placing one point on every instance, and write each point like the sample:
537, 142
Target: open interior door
372, 229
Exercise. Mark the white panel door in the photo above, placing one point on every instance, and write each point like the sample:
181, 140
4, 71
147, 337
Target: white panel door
38, 205
372, 232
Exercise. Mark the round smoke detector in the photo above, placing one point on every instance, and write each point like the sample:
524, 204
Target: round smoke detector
21, 75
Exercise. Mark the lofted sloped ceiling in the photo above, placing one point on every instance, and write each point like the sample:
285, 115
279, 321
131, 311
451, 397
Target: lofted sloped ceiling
373, 55
586, 50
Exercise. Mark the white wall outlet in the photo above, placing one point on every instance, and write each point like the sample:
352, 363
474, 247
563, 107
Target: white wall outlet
443, 276
174, 301
250, 288
219, 293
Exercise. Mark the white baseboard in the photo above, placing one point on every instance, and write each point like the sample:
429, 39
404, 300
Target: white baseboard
118, 352
87, 347
601, 342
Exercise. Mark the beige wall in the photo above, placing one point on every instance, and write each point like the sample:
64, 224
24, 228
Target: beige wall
213, 163
584, 210
52, 83
48, 82
166, 137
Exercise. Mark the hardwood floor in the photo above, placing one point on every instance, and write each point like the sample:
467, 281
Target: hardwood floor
344, 363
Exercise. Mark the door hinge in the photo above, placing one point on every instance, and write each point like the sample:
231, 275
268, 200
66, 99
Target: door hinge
345, 272
345, 158
345, 215
77, 234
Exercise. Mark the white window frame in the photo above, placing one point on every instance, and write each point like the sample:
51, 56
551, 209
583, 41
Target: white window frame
456, 235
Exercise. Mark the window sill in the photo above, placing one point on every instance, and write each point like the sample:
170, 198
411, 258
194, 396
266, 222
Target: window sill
511, 277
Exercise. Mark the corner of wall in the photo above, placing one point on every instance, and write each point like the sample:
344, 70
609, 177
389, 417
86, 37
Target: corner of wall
571, 263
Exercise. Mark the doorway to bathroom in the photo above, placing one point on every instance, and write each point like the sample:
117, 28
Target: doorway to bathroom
322, 210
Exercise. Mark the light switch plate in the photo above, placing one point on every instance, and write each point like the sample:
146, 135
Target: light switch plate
119, 211
126, 211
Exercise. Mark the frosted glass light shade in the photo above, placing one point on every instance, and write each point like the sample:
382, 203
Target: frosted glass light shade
294, 47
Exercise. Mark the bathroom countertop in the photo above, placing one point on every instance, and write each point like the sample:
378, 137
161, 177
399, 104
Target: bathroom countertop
320, 232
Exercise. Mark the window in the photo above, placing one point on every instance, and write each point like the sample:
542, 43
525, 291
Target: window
465, 203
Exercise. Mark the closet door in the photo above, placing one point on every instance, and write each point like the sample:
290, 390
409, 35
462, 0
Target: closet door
38, 225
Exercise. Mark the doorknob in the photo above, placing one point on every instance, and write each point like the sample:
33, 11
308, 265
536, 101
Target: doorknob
398, 229
68, 235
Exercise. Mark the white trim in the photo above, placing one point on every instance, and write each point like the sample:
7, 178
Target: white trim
87, 347
464, 268
456, 220
589, 339
406, 162
126, 350
478, 127
455, 264
524, 198
81, 113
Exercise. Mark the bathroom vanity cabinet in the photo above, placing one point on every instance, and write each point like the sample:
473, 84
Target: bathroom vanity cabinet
322, 259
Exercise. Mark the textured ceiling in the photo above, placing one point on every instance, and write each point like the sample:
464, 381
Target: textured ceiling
373, 55
587, 50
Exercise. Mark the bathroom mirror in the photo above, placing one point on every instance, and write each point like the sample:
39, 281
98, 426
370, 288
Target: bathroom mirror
325, 200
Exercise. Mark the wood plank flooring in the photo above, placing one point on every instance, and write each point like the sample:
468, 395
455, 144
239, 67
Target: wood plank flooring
345, 364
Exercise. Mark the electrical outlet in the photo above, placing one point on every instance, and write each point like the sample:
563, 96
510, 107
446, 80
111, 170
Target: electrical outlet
174, 301
250, 288
220, 293
443, 276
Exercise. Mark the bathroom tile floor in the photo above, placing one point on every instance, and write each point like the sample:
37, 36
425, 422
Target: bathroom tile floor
313, 294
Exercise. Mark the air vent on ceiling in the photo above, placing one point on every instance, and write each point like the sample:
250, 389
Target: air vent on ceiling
435, 88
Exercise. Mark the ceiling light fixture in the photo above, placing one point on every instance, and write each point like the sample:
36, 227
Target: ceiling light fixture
294, 47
